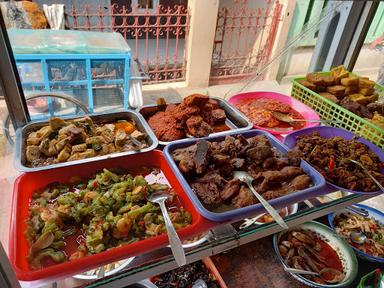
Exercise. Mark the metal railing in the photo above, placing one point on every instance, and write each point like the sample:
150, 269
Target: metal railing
158, 37
244, 38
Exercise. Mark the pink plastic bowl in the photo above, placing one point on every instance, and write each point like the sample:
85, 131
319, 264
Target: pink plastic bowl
303, 109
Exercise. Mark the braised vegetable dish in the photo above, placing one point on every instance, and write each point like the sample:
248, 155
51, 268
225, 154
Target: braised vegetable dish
186, 276
209, 166
304, 250
106, 211
260, 112
329, 156
196, 116
68, 140
346, 223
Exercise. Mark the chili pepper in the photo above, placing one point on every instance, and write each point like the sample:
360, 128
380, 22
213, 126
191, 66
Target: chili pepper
331, 164
94, 184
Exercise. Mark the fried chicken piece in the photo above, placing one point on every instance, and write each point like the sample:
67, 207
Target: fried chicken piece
231, 189
218, 115
244, 198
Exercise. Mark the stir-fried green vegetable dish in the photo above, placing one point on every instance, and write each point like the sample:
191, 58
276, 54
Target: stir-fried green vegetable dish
109, 210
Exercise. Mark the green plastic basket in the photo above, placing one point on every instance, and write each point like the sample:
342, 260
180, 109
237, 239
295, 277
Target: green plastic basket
330, 110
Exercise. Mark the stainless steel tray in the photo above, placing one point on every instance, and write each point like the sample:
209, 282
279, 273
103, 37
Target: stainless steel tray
20, 161
236, 120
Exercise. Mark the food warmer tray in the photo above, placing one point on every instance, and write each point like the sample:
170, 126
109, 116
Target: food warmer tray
26, 184
329, 132
244, 212
22, 133
236, 120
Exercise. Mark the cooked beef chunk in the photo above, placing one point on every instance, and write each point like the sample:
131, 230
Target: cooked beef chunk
196, 100
354, 107
212, 104
212, 176
209, 167
208, 193
290, 172
218, 115
186, 165
238, 163
183, 112
376, 107
269, 163
244, 198
197, 127
230, 190
300, 182
259, 154
282, 162
184, 153
223, 163
201, 156
269, 178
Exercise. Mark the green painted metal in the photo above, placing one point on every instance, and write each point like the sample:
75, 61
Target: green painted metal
309, 11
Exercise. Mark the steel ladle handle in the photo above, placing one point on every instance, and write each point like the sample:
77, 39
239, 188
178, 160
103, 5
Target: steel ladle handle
174, 240
275, 215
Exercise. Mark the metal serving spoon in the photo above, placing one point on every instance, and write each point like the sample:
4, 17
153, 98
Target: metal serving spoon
288, 119
339, 276
247, 179
174, 240
358, 237
367, 172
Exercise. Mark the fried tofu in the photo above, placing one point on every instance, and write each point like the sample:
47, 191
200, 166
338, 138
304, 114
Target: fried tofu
350, 81
339, 73
32, 153
366, 83
337, 90
64, 154
56, 123
79, 148
351, 90
366, 91
307, 84
358, 98
315, 78
330, 96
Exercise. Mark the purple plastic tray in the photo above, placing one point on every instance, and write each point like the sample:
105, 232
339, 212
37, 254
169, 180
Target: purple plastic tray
329, 132
241, 213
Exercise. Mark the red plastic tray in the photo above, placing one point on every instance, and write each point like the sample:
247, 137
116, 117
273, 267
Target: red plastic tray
27, 183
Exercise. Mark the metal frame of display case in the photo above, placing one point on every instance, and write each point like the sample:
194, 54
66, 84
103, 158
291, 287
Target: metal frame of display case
221, 238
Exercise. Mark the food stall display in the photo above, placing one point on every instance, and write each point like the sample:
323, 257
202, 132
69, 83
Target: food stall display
364, 234
313, 247
344, 96
60, 142
331, 151
72, 220
266, 110
195, 117
206, 167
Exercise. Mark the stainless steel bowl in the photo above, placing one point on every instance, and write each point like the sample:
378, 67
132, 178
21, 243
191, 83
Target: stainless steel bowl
236, 120
20, 161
